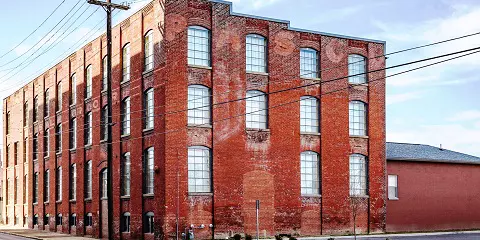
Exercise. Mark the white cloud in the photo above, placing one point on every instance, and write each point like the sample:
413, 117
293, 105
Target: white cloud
469, 115
456, 137
403, 97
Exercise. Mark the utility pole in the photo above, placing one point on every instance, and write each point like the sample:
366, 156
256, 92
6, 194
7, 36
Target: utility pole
108, 6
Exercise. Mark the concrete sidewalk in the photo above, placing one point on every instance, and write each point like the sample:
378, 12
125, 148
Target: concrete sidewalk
37, 234
392, 235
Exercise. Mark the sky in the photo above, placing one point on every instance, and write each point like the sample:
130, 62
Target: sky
439, 105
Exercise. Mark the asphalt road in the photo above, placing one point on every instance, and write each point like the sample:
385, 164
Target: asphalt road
10, 237
458, 236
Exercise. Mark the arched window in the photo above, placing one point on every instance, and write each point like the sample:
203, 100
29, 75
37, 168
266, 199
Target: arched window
125, 223
104, 73
58, 137
73, 182
358, 118
308, 63
58, 181
88, 128
104, 184
59, 96
149, 222
198, 46
104, 123
73, 133
198, 105
148, 109
309, 114
149, 51
73, 89
88, 180
310, 173
256, 53
59, 219
125, 167
46, 186
88, 220
125, 116
358, 175
199, 170
46, 142
148, 170
357, 68
256, 104
35, 108
126, 63
46, 109
88, 82
73, 220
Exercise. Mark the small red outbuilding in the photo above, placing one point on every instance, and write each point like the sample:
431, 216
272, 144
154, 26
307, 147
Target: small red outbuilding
431, 189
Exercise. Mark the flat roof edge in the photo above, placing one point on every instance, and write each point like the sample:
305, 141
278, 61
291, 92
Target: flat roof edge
295, 29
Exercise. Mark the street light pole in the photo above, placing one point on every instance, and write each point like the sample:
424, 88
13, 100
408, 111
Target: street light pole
108, 6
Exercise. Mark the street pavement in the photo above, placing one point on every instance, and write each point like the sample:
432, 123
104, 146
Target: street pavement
4, 236
415, 236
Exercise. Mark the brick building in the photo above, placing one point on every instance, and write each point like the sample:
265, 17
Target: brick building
431, 189
305, 158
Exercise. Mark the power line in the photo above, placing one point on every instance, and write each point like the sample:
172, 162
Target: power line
33, 30
281, 104
43, 36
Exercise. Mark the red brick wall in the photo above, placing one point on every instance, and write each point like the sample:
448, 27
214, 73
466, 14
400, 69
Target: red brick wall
247, 165
434, 197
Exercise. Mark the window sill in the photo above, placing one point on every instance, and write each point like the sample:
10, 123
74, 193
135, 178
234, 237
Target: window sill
47, 202
73, 149
393, 199
58, 111
103, 141
310, 134
73, 105
148, 195
88, 199
309, 78
147, 73
59, 201
358, 84
35, 203
147, 130
46, 157
312, 195
199, 126
200, 194
72, 200
258, 73
200, 66
58, 153
257, 130
125, 197
88, 146
360, 196
359, 136
88, 99
124, 82
103, 91
104, 198
125, 135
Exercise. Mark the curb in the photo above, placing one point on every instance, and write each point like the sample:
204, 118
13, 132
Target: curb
19, 235
390, 235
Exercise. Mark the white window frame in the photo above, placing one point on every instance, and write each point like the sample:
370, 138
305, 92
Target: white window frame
309, 63
73, 182
256, 53
126, 171
310, 173
148, 51
88, 129
104, 123
104, 186
59, 96
198, 46
256, 110
73, 89
199, 105
88, 180
46, 109
309, 115
199, 170
46, 186
125, 224
59, 183
88, 82
392, 187
126, 116
104, 73
126, 63
46, 142
358, 175
357, 118
73, 132
357, 64
148, 101
149, 162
